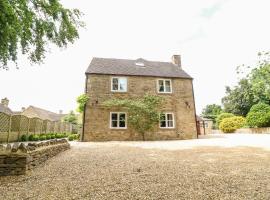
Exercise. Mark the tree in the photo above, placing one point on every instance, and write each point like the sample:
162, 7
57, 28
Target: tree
30, 25
143, 112
82, 100
71, 118
252, 89
211, 111
239, 99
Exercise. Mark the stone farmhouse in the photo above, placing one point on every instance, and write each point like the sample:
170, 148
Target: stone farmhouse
121, 78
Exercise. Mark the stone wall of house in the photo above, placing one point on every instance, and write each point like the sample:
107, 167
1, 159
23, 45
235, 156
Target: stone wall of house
97, 117
16, 159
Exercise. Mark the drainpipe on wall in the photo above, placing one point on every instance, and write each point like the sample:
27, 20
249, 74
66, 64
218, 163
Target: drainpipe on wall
85, 91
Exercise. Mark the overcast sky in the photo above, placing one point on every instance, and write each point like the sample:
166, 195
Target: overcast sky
212, 36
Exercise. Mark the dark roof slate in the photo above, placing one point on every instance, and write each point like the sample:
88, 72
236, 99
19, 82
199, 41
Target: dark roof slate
128, 67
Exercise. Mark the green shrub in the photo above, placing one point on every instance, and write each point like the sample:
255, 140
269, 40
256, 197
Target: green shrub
52, 136
24, 138
222, 116
59, 135
31, 138
229, 125
72, 137
42, 137
48, 136
36, 138
259, 115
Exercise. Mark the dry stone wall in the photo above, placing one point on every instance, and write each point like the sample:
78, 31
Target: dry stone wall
16, 159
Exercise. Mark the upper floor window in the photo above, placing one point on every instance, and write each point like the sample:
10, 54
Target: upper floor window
118, 120
119, 84
164, 86
166, 120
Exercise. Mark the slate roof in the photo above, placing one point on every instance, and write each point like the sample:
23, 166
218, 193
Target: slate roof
33, 111
128, 67
5, 109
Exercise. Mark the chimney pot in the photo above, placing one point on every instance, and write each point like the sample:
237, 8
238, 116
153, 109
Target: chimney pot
5, 102
176, 59
23, 109
60, 111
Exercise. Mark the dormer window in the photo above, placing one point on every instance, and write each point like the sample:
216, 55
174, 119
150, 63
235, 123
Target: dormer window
119, 84
164, 86
140, 64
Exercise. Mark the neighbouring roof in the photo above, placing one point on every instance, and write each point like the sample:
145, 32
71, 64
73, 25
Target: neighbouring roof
202, 119
32, 112
128, 67
5, 109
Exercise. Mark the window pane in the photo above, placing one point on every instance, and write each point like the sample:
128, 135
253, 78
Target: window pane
122, 117
123, 84
170, 123
168, 86
162, 124
114, 116
161, 85
115, 84
162, 117
114, 123
169, 117
122, 124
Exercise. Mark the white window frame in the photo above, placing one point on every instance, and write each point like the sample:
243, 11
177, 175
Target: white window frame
164, 80
118, 120
166, 120
118, 90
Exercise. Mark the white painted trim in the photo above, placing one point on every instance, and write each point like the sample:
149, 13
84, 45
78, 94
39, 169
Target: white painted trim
110, 117
164, 86
166, 120
119, 84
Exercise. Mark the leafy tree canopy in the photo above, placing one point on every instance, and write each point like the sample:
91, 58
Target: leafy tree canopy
71, 118
211, 111
142, 112
30, 25
252, 89
82, 100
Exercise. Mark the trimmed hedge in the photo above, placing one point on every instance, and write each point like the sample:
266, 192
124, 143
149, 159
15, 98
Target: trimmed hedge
222, 116
48, 136
229, 125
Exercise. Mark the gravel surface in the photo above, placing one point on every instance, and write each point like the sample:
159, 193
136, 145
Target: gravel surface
133, 170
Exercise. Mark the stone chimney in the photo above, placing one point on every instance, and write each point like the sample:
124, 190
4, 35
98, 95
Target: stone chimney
5, 102
23, 109
176, 59
60, 111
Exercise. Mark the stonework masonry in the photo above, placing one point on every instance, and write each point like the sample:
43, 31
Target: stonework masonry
16, 159
97, 117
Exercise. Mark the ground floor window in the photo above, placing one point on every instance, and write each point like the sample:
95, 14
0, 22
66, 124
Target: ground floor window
118, 120
166, 120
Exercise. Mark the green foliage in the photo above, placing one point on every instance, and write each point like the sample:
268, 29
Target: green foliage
252, 89
142, 112
71, 118
82, 100
59, 135
42, 137
48, 136
259, 115
52, 136
24, 138
30, 25
211, 111
223, 116
230, 124
72, 137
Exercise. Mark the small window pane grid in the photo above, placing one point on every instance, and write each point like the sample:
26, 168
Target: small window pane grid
119, 84
166, 120
118, 120
164, 86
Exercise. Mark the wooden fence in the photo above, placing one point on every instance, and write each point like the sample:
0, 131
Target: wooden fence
12, 127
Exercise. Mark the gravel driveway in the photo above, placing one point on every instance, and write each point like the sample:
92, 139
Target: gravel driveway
207, 168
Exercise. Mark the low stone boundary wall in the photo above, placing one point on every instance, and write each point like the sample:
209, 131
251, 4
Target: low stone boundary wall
265, 130
16, 159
